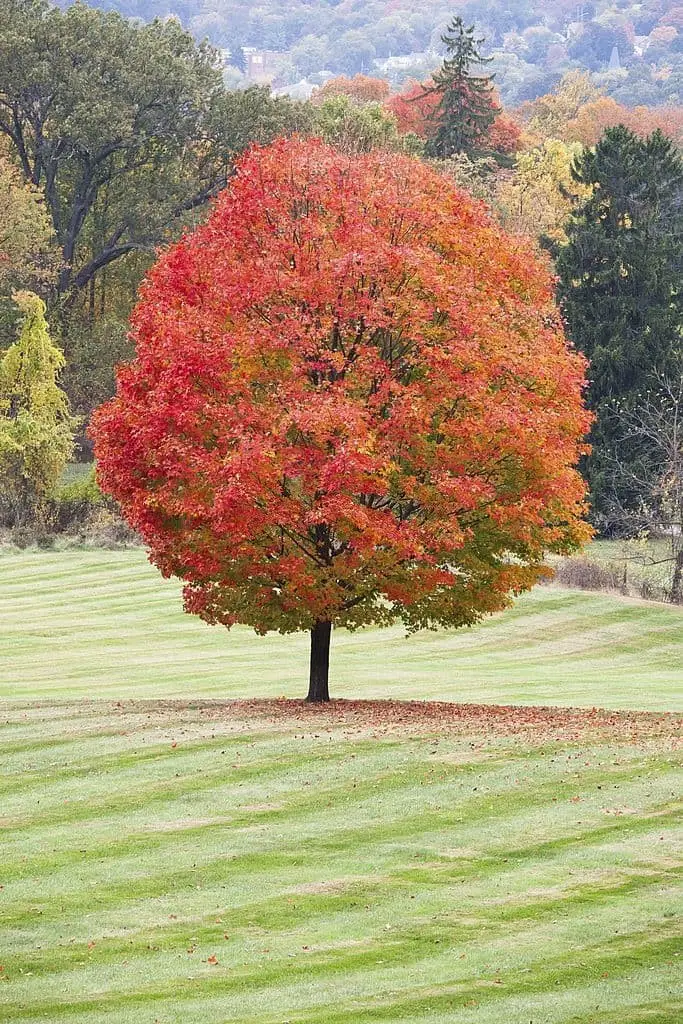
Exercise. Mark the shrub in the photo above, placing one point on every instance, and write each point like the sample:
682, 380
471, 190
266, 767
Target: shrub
586, 575
36, 428
74, 502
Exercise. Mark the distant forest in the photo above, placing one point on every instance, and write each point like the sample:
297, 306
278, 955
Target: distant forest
634, 50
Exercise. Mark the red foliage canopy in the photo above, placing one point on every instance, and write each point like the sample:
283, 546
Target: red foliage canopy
351, 401
416, 111
504, 135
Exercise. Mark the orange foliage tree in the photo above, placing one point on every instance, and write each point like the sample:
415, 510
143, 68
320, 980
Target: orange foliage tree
546, 117
352, 402
361, 88
674, 16
414, 109
593, 118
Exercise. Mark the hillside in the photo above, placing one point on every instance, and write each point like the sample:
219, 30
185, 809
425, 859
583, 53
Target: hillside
633, 48
104, 624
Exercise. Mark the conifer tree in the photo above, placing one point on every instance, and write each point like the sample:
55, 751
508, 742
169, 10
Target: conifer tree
238, 58
620, 280
465, 110
36, 430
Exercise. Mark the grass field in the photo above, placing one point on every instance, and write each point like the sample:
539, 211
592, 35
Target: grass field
205, 861
103, 623
210, 863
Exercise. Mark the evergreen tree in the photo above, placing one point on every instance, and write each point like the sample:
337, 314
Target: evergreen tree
238, 58
36, 430
620, 284
465, 110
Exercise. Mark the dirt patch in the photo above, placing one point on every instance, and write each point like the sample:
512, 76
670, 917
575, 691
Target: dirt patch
181, 824
259, 807
333, 885
460, 853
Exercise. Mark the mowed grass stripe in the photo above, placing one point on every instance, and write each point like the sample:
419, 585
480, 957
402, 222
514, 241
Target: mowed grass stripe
95, 859
389, 993
87, 623
243, 952
273, 902
320, 918
315, 917
458, 874
324, 770
262, 905
406, 949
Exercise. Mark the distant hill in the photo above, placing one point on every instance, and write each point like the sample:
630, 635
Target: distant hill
634, 49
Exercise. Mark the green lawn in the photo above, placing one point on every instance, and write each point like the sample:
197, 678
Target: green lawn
270, 863
205, 861
103, 623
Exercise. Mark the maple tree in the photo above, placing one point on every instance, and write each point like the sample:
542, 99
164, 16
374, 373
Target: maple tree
361, 88
352, 402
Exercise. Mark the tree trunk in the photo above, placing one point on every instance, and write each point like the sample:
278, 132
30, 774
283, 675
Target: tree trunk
677, 582
320, 663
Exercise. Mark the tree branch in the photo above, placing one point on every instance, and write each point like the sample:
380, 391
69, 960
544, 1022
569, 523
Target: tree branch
104, 258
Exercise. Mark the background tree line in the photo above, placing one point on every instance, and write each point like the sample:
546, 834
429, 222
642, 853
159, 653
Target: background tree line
115, 135
533, 43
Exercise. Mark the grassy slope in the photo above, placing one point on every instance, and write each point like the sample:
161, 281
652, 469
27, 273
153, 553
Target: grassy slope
103, 623
185, 865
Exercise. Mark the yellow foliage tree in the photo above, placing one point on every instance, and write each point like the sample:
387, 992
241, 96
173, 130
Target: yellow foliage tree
27, 249
547, 116
536, 198
36, 428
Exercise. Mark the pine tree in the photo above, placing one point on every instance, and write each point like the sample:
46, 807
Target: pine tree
465, 110
36, 430
620, 283
238, 58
